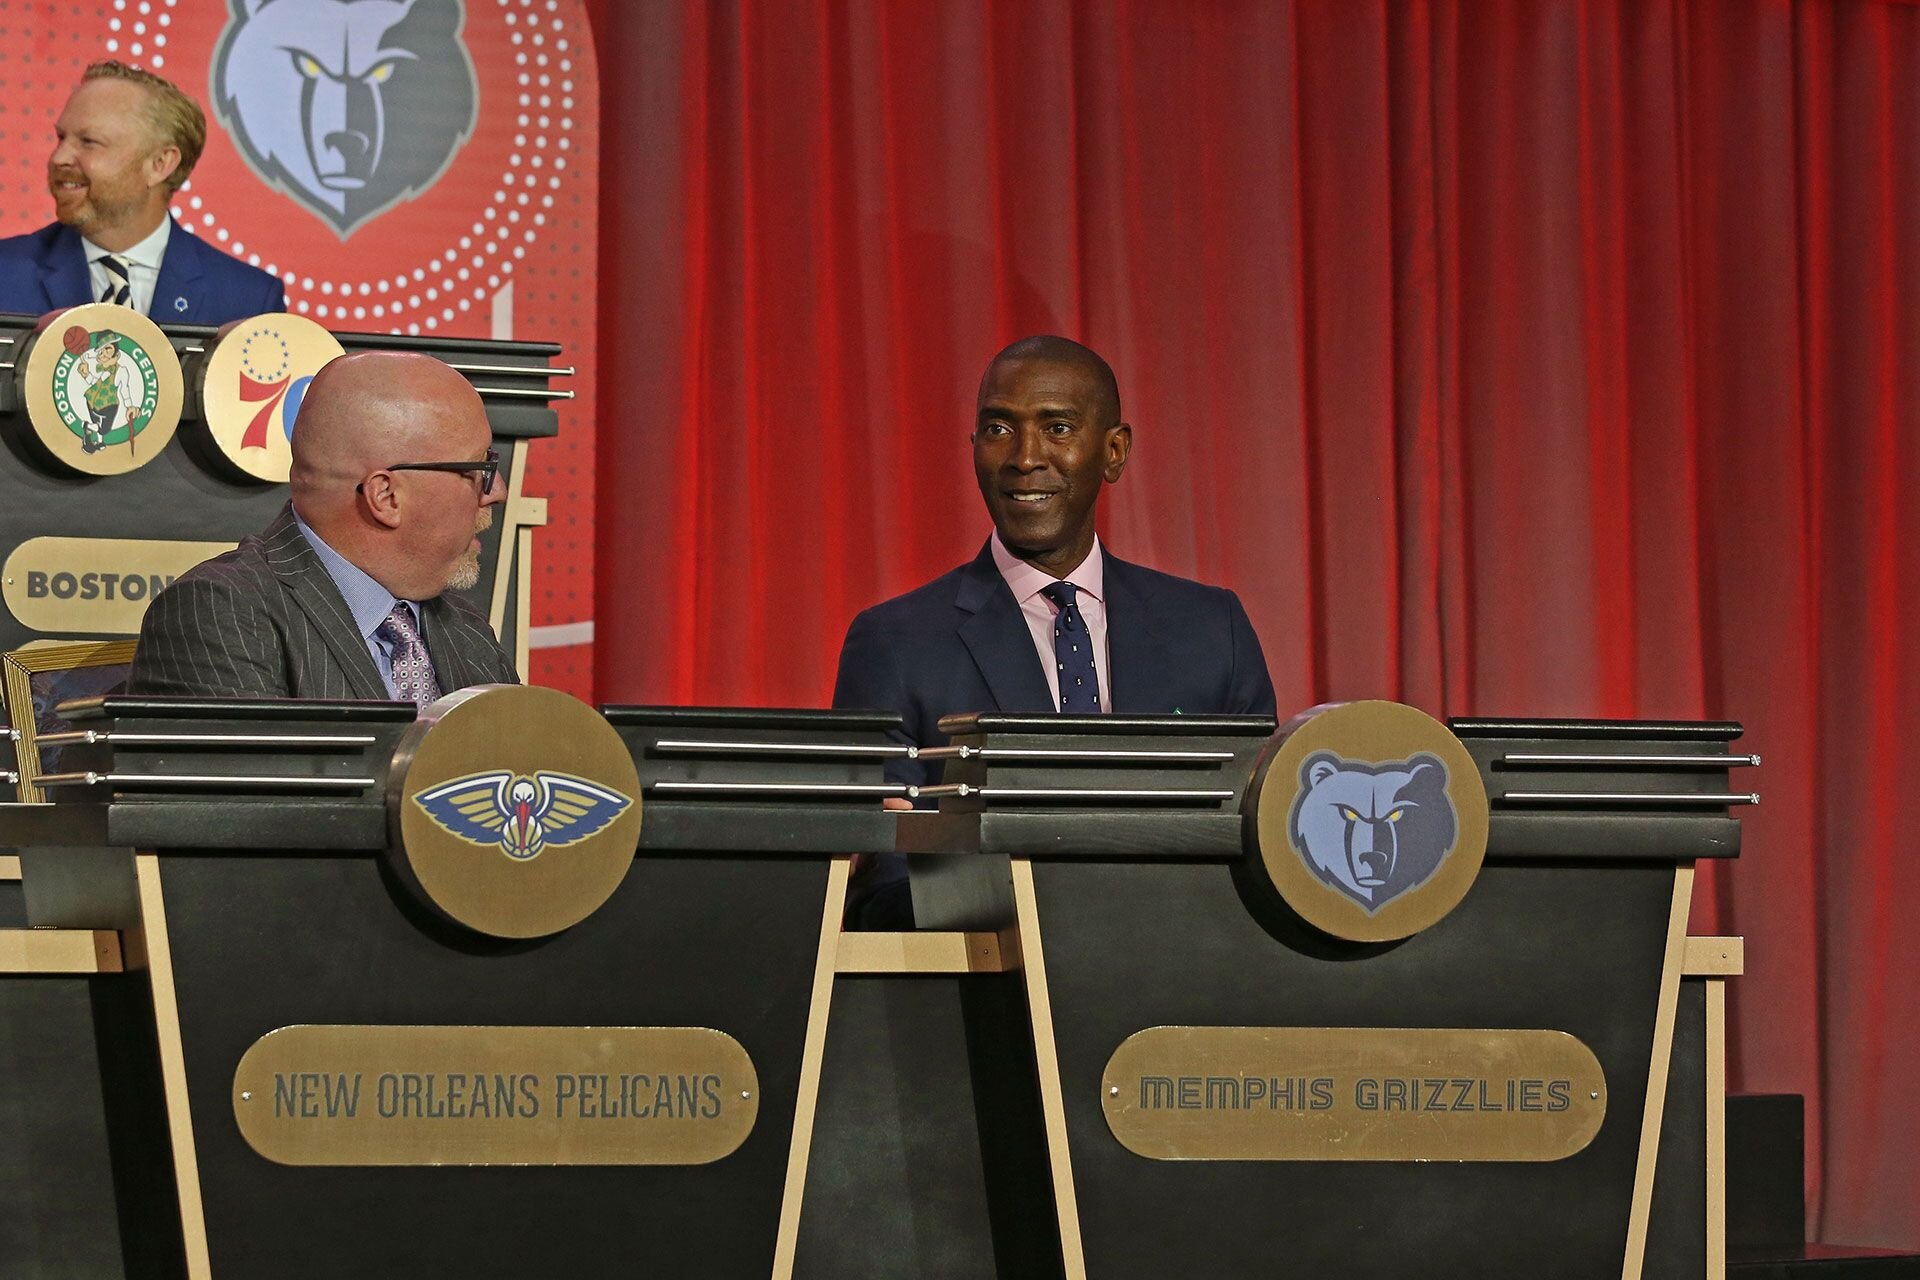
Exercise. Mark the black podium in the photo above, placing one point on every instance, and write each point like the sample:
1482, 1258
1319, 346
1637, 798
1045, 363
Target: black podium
1125, 1045
1119, 862
73, 541
242, 851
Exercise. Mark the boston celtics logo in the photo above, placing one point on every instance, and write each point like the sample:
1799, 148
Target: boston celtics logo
102, 387
105, 388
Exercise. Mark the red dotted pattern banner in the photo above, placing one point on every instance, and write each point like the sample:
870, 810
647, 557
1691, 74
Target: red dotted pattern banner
467, 205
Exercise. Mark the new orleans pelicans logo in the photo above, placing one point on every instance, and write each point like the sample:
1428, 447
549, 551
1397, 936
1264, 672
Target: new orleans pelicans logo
522, 816
347, 107
1373, 831
488, 780
104, 388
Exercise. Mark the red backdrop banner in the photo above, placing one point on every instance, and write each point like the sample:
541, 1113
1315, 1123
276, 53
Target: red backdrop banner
1507, 357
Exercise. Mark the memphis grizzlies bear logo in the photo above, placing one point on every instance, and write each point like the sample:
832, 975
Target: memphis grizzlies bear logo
1373, 831
523, 816
348, 106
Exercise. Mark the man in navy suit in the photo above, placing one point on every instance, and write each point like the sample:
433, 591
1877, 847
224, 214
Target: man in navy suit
127, 140
1002, 634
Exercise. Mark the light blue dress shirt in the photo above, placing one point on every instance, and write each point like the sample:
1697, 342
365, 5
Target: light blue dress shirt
367, 601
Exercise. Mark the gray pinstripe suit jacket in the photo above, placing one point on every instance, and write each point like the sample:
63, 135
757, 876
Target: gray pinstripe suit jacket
266, 621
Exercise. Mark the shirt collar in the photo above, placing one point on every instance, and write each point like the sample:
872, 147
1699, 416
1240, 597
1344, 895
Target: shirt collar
367, 600
1026, 582
148, 253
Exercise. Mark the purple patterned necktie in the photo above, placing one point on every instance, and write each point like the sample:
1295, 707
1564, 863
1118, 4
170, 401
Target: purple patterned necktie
412, 669
1073, 653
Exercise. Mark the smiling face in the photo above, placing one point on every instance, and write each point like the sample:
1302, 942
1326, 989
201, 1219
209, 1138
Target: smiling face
1046, 436
108, 170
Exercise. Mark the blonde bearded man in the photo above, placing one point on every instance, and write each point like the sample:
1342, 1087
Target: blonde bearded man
345, 595
123, 144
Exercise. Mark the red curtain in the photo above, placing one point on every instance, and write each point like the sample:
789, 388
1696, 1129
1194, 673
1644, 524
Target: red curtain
1507, 356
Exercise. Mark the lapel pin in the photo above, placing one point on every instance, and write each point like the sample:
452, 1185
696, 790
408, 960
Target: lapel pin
179, 304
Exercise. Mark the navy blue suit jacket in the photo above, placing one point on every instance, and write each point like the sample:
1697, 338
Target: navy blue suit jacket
46, 270
961, 644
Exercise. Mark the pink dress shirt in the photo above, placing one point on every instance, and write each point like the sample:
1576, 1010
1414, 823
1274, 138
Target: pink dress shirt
1027, 582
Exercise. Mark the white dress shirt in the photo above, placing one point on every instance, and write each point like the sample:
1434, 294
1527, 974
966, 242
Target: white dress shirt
143, 267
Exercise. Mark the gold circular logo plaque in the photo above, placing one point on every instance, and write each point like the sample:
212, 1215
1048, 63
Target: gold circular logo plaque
251, 387
1370, 820
102, 387
514, 811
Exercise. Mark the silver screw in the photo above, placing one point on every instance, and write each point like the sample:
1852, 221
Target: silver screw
246, 1095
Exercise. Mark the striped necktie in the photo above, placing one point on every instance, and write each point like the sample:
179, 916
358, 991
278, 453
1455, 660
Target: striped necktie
1073, 653
119, 282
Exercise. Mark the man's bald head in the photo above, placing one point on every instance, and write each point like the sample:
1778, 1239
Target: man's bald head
1050, 348
372, 409
366, 419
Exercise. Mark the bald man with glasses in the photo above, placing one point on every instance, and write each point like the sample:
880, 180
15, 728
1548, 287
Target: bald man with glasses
346, 593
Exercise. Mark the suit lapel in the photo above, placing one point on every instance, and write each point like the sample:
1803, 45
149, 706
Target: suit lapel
437, 626
299, 569
63, 271
1135, 651
452, 647
995, 633
179, 282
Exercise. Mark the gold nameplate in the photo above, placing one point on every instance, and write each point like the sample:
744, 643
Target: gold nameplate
252, 384
96, 586
103, 388
513, 810
1352, 1093
1370, 820
365, 1095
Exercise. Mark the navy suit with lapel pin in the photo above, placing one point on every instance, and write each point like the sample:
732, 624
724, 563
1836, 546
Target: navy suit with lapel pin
1048, 436
961, 644
46, 270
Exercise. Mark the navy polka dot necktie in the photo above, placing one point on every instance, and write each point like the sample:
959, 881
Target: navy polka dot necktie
1073, 653
119, 282
412, 670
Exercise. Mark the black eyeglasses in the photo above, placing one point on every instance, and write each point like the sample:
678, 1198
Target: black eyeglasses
488, 468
